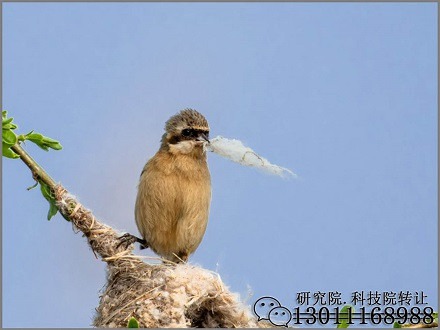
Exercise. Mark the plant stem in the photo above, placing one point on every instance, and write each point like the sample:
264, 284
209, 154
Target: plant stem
38, 172
103, 239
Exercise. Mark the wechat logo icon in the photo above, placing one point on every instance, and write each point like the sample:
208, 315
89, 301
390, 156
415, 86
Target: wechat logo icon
269, 308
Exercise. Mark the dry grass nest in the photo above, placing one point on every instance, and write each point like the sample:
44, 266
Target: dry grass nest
157, 295
168, 296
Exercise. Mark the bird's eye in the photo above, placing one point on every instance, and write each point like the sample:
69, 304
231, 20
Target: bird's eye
186, 132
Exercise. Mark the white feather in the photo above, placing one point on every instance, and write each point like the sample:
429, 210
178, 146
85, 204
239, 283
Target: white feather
237, 152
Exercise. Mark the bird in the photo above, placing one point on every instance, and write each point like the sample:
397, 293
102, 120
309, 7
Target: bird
174, 191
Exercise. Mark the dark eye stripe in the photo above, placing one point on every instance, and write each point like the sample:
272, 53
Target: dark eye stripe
187, 132
193, 132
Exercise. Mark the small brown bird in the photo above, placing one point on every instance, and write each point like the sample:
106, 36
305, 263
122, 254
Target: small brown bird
174, 192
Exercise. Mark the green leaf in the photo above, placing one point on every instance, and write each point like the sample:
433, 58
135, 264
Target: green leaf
34, 136
53, 209
51, 143
42, 146
9, 126
42, 141
343, 316
7, 121
7, 152
397, 325
9, 137
45, 190
49, 140
133, 323
47, 193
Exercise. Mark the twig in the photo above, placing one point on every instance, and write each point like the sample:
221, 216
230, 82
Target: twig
102, 238
37, 171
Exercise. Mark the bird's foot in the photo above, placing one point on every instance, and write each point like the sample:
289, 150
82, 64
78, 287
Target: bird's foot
128, 239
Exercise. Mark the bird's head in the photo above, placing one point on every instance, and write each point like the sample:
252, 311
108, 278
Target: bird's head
186, 133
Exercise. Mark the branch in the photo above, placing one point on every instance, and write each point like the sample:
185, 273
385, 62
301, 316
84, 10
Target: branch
36, 170
102, 238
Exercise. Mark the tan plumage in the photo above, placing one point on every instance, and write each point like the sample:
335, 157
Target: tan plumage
174, 192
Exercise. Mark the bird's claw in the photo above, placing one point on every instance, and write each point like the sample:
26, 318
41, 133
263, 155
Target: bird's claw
128, 239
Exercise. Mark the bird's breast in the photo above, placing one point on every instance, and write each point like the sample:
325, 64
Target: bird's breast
173, 202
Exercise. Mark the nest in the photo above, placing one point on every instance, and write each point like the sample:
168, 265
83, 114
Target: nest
157, 295
171, 296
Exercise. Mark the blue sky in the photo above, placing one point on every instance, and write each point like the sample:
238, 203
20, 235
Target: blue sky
344, 94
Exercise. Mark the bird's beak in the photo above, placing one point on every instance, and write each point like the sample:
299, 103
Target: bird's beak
203, 137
